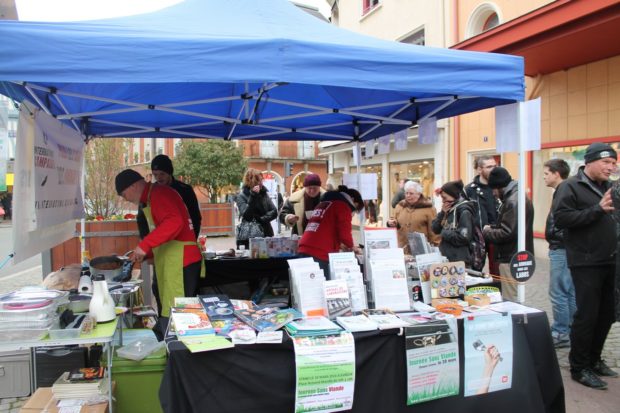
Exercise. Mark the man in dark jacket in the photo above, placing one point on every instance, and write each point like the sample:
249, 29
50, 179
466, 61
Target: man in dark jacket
583, 208
561, 288
504, 234
480, 191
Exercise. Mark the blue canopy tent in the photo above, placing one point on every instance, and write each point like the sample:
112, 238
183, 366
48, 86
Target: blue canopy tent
242, 69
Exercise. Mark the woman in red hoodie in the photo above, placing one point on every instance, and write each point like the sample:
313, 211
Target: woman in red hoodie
329, 227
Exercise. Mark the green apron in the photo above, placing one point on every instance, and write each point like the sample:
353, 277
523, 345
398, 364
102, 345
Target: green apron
168, 259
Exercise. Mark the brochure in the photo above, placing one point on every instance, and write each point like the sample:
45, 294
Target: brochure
269, 337
385, 319
337, 298
187, 302
325, 373
357, 323
487, 340
432, 354
199, 344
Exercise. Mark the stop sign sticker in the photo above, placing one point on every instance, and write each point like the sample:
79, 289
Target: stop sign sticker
522, 266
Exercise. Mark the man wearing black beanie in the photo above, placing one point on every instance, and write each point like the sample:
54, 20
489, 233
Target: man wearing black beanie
583, 208
161, 165
504, 234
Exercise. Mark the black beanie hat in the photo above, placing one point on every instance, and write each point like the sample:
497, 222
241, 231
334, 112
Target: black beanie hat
453, 188
162, 163
125, 179
499, 177
599, 150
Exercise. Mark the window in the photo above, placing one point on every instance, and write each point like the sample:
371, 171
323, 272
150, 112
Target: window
305, 149
269, 149
422, 172
417, 38
484, 17
159, 145
368, 5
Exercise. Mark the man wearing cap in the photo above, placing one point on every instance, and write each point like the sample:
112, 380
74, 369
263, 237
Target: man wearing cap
171, 240
583, 208
293, 213
504, 234
161, 165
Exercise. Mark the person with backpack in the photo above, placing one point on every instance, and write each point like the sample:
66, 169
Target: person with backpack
455, 223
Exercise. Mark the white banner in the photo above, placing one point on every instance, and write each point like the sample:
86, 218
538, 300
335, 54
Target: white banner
47, 196
427, 131
518, 117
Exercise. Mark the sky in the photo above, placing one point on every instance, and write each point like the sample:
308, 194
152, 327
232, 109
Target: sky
71, 10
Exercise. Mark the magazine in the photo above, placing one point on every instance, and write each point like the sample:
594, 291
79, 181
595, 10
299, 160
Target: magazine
217, 306
385, 318
264, 318
337, 298
191, 322
357, 323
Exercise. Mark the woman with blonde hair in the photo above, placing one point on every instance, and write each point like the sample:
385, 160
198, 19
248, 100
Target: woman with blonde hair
256, 209
415, 213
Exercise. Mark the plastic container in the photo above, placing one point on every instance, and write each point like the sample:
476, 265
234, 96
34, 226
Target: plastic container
57, 333
140, 349
14, 373
138, 381
23, 334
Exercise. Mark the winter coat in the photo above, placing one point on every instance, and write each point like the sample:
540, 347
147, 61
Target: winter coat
589, 232
615, 196
295, 205
257, 206
415, 218
487, 203
456, 228
329, 227
504, 234
553, 234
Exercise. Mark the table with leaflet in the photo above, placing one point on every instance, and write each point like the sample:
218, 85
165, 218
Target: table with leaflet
261, 377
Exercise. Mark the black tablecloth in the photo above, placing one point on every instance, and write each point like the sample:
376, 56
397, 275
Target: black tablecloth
226, 271
261, 378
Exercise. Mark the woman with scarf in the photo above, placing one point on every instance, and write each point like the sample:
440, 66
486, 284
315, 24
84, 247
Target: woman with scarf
255, 209
455, 223
415, 213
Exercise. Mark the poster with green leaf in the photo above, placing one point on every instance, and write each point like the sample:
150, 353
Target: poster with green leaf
432, 355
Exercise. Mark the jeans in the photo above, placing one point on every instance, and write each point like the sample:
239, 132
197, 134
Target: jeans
561, 292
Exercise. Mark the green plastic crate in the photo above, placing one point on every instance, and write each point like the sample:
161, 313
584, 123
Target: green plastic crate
137, 383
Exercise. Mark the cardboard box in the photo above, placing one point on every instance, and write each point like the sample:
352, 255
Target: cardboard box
42, 401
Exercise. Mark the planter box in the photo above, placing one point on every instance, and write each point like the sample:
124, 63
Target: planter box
217, 219
102, 238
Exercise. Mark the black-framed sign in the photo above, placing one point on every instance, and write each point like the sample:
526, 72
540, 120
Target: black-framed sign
522, 266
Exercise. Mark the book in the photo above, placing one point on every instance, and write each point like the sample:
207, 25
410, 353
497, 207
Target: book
266, 318
337, 298
187, 302
197, 344
312, 326
217, 306
86, 374
191, 322
357, 323
63, 388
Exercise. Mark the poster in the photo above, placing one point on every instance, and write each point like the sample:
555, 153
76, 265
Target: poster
487, 340
368, 182
432, 354
47, 191
325, 372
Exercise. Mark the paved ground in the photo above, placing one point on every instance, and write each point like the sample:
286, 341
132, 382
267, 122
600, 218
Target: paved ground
578, 398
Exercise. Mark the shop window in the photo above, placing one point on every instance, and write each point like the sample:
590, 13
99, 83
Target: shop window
541, 194
269, 149
422, 171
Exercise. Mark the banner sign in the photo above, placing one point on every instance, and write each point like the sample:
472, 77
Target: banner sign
4, 144
47, 195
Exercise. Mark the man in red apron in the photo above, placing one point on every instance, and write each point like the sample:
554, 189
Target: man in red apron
171, 240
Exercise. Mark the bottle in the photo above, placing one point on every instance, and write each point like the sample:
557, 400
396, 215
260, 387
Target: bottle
101, 305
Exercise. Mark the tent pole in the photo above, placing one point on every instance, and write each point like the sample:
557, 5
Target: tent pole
83, 251
521, 201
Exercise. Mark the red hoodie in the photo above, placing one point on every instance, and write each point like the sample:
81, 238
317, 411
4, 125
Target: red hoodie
328, 228
172, 222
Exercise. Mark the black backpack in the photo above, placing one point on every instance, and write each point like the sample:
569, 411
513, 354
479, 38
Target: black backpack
477, 247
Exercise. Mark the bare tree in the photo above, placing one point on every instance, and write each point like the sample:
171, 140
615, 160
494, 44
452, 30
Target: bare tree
103, 159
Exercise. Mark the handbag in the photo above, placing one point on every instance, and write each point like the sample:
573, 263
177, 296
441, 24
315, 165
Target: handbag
249, 229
